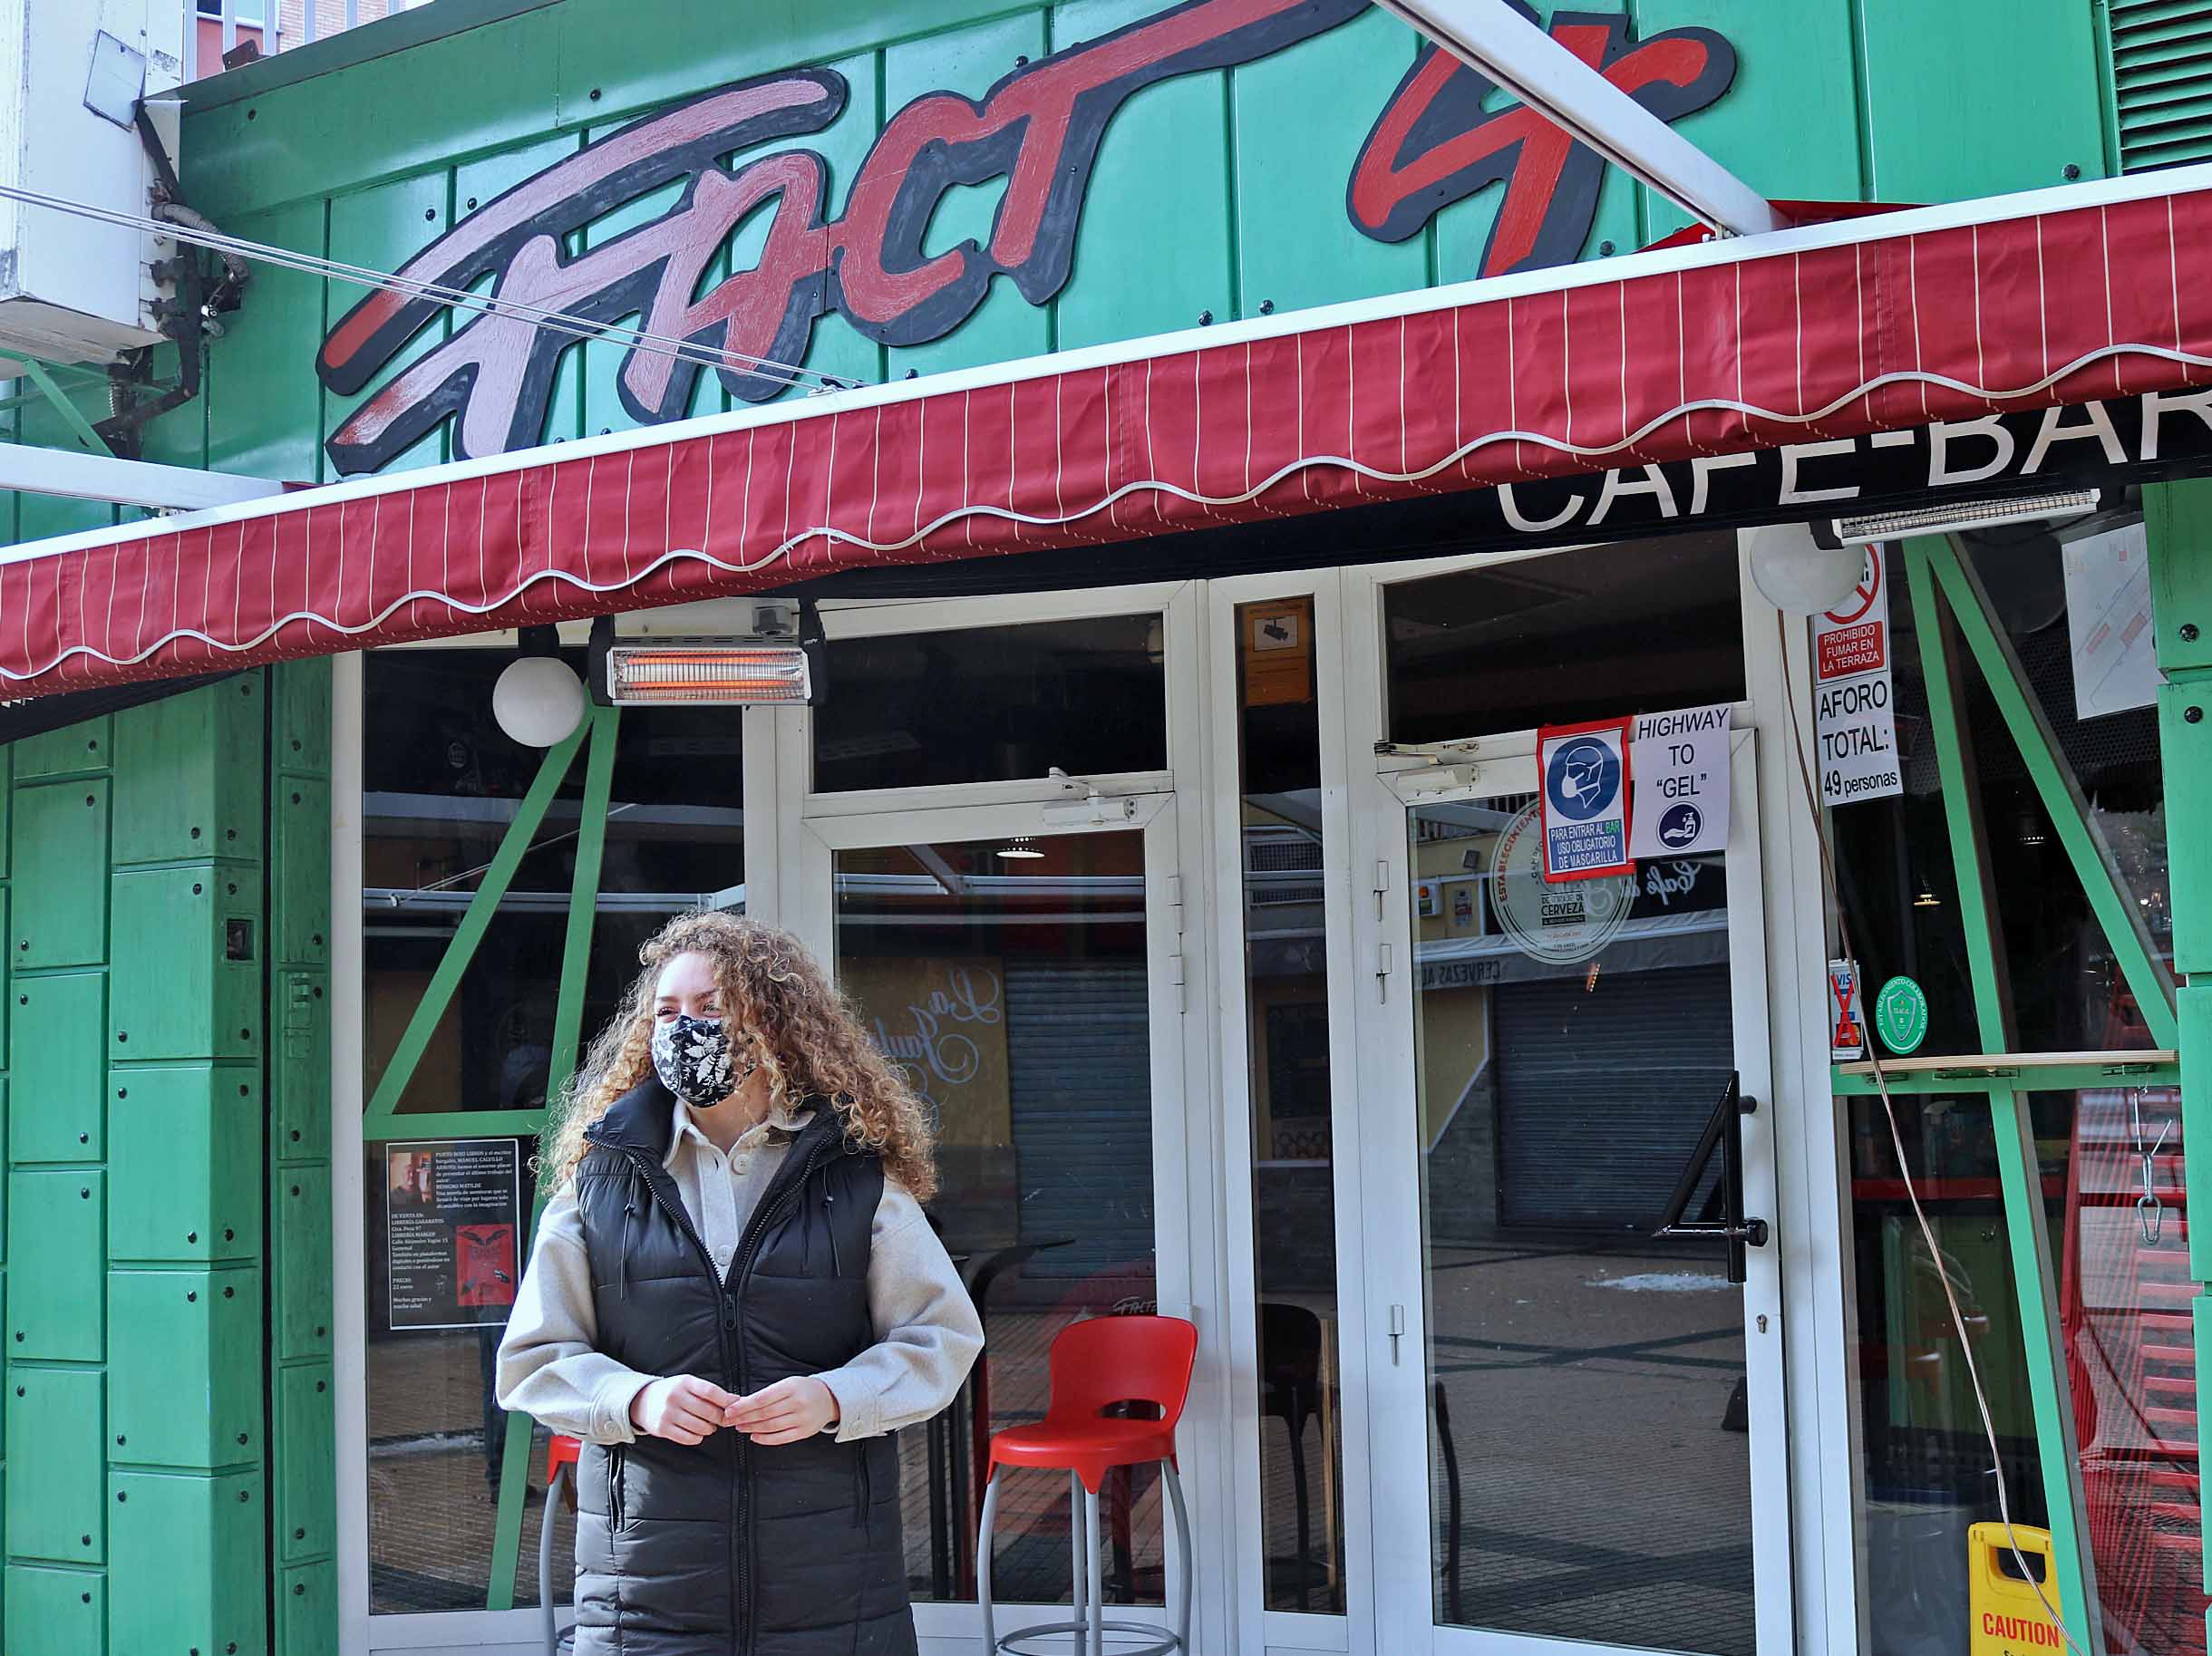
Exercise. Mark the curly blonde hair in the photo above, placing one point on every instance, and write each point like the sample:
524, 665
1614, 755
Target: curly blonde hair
811, 1044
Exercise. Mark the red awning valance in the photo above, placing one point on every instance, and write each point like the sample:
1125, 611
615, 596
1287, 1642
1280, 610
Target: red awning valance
1825, 332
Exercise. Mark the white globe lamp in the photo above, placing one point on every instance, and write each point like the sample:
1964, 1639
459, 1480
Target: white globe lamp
1798, 574
538, 701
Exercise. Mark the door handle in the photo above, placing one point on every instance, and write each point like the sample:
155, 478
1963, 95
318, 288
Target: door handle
1723, 1132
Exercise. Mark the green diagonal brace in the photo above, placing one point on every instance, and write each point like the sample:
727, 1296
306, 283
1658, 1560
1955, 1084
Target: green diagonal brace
2034, 1283
70, 415
469, 932
2152, 984
567, 1031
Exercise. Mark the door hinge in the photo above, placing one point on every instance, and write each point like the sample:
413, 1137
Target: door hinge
1176, 977
1381, 886
1175, 902
1382, 974
1397, 1332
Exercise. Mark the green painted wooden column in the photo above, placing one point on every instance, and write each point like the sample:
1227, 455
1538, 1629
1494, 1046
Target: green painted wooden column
2178, 520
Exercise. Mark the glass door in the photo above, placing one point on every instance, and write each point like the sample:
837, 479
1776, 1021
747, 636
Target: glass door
1021, 964
1580, 1413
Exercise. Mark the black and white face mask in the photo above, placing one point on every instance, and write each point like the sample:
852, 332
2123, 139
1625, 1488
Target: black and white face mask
696, 1060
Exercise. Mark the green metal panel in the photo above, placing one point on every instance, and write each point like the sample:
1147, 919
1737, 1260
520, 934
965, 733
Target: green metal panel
1296, 245
301, 1285
59, 918
2177, 522
2029, 109
264, 402
383, 228
185, 1168
300, 703
190, 1551
968, 60
1165, 163
57, 1231
2196, 1010
306, 1493
300, 823
2184, 744
299, 1118
56, 1506
198, 1328
54, 1613
307, 1609
55, 1066
188, 775
72, 748
43, 515
1789, 125
177, 992
2163, 95
2022, 1078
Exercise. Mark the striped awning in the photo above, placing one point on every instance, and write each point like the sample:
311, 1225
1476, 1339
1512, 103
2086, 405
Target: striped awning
1864, 324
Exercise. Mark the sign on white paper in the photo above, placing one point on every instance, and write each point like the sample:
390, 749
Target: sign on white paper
1678, 763
2108, 613
1854, 714
1584, 771
1847, 1025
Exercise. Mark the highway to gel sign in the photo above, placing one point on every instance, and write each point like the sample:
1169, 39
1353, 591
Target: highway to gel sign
1679, 764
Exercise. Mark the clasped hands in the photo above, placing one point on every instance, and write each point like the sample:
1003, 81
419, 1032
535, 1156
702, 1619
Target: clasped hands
685, 1408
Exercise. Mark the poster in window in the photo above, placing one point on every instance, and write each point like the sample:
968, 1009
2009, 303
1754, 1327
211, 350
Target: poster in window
452, 1224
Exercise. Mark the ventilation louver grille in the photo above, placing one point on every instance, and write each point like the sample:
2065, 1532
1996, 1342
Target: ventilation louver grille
2162, 81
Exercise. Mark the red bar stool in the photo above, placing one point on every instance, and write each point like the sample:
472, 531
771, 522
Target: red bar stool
561, 1463
1095, 1365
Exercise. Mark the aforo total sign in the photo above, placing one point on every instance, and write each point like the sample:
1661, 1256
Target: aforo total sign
1039, 129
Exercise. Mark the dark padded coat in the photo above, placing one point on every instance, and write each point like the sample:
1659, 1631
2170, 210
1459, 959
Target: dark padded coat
727, 1548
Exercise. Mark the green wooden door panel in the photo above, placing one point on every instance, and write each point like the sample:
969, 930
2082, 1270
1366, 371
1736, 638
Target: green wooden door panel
188, 775
56, 1449
302, 716
200, 1329
2192, 1010
54, 1064
191, 1550
307, 1610
306, 1477
2030, 108
263, 403
969, 61
300, 1067
300, 922
54, 1613
481, 182
72, 748
1788, 124
177, 994
1300, 117
61, 912
1164, 161
301, 1283
57, 1216
185, 1173
2178, 518
383, 228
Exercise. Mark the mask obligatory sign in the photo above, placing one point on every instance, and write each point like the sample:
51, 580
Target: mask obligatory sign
1582, 772
1039, 130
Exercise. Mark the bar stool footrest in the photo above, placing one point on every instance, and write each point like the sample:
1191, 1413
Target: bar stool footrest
1165, 1640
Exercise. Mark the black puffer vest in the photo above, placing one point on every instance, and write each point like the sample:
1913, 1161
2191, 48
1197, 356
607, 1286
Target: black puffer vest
728, 1549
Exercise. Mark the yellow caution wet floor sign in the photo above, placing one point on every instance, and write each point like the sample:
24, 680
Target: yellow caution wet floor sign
2009, 1619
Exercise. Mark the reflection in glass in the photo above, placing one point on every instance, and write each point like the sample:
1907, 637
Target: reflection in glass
993, 704
1589, 1422
1293, 1203
441, 785
1007, 980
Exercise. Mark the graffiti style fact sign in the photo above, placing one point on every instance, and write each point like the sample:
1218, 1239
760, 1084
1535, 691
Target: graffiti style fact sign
1039, 130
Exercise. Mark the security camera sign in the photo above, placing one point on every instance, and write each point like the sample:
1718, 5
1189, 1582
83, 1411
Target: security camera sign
1585, 776
1855, 715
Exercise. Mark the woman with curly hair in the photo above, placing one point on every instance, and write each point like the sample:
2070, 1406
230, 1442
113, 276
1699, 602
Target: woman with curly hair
734, 1299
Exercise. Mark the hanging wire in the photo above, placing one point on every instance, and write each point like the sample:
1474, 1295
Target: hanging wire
1896, 1140
438, 292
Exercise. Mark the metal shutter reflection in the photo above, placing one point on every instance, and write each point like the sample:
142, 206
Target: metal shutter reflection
1078, 1049
1602, 1092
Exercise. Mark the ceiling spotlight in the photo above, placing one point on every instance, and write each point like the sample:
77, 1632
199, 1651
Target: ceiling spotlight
1020, 850
1927, 899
